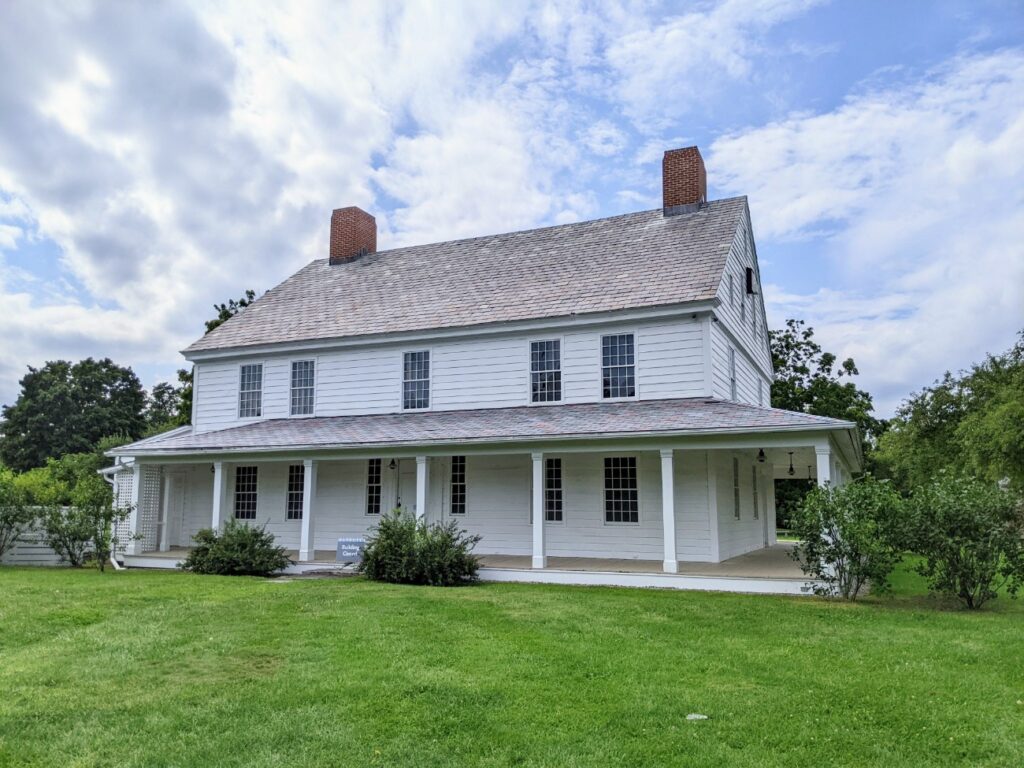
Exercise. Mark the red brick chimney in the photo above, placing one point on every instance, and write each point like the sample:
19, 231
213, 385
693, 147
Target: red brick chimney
684, 182
353, 234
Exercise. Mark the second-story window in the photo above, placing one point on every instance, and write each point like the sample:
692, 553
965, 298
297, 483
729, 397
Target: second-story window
545, 371
250, 391
416, 380
618, 366
732, 373
303, 387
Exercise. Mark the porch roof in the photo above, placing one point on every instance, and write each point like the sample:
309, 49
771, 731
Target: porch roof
641, 418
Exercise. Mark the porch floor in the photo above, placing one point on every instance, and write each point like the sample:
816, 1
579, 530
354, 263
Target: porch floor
770, 563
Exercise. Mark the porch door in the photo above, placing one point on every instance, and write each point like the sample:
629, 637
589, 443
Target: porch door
173, 509
405, 492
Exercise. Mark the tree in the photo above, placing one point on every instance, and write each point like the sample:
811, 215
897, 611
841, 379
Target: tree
163, 405
973, 420
66, 408
15, 514
226, 311
971, 535
849, 536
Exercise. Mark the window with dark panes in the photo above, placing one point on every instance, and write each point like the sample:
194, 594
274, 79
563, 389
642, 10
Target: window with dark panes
621, 493
545, 371
416, 380
618, 365
296, 487
303, 387
250, 391
458, 485
246, 482
373, 486
553, 490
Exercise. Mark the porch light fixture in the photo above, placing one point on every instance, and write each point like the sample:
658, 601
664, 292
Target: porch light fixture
760, 456
391, 466
791, 470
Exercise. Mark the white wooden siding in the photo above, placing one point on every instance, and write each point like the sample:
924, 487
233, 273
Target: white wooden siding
479, 373
737, 537
747, 374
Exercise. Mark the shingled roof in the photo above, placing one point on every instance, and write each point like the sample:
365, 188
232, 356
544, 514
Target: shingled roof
636, 260
689, 416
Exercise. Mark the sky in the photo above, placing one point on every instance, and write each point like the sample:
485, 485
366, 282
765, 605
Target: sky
157, 158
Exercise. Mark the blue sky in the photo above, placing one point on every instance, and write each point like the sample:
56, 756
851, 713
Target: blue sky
158, 158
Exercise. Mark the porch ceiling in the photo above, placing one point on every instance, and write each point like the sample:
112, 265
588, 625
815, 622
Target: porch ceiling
641, 418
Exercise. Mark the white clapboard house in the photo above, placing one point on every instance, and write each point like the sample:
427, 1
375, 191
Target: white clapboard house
589, 398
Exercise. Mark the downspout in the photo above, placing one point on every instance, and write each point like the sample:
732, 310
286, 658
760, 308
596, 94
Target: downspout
113, 560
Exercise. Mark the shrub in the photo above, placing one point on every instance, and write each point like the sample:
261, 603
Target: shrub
68, 531
404, 550
15, 514
238, 550
849, 536
971, 536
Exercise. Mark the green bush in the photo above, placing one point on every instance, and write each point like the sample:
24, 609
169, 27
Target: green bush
404, 550
971, 535
849, 536
238, 550
15, 514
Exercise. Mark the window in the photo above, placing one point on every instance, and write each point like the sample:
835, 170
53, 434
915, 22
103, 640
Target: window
732, 290
621, 496
250, 391
732, 373
736, 488
303, 378
416, 380
245, 493
618, 365
553, 490
756, 502
296, 483
545, 371
458, 485
760, 392
373, 486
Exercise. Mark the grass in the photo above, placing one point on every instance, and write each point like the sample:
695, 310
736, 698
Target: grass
170, 669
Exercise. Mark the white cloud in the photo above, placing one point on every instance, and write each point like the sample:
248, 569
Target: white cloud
919, 189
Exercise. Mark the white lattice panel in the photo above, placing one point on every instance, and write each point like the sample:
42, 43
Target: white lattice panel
149, 508
122, 500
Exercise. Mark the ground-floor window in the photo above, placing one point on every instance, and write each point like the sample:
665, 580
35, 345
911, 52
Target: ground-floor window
757, 504
458, 487
296, 483
736, 488
246, 482
373, 487
553, 490
621, 494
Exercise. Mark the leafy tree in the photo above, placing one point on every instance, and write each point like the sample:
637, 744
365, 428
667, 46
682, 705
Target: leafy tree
973, 420
67, 408
163, 405
226, 311
971, 535
16, 515
849, 536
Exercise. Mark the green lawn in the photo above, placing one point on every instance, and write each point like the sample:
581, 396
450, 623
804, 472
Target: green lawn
169, 669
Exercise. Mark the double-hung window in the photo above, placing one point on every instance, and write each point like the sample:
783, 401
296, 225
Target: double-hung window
246, 482
296, 488
250, 391
458, 485
373, 486
732, 373
553, 490
416, 380
757, 501
545, 371
621, 493
736, 488
303, 387
618, 365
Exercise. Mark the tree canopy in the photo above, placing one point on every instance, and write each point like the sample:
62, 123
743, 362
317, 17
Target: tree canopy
68, 407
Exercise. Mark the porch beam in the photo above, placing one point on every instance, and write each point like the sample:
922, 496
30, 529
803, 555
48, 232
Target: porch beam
668, 511
307, 538
823, 455
219, 496
421, 487
540, 559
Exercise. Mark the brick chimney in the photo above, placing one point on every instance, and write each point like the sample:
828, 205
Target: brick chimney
684, 182
353, 234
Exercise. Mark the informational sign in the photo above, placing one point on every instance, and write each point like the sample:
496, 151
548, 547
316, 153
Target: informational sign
350, 550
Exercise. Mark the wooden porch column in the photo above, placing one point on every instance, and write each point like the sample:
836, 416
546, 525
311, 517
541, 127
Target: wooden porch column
421, 487
540, 559
134, 545
668, 511
823, 454
307, 534
220, 492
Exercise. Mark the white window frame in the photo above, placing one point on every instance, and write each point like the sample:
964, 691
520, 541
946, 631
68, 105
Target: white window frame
732, 290
736, 488
561, 489
256, 493
733, 385
760, 391
380, 488
561, 370
430, 378
316, 369
465, 486
636, 365
639, 488
757, 503
289, 492
263, 381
